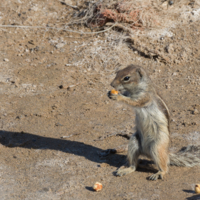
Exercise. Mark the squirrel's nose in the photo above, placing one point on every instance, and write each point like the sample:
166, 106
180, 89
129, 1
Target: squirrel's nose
113, 84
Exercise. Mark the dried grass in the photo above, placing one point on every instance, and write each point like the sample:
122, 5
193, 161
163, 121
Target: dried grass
102, 55
138, 21
135, 14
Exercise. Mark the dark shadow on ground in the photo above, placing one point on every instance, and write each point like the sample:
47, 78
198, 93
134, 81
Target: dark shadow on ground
89, 188
30, 141
189, 191
195, 197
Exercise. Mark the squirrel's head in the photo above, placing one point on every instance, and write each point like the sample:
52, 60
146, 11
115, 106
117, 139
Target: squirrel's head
130, 81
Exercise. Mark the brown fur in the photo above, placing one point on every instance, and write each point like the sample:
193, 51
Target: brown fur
138, 103
164, 108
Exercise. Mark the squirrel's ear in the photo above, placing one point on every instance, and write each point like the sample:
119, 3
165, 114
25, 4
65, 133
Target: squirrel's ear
140, 72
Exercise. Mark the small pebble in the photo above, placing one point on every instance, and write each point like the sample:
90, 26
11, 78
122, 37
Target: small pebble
60, 45
6, 60
195, 111
58, 124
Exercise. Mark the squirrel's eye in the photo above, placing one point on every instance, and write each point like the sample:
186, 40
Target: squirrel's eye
126, 78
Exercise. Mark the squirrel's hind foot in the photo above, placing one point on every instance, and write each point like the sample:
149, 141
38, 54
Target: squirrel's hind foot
156, 176
122, 171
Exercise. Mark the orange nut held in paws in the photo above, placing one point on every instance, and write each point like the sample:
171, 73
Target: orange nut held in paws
97, 186
197, 188
114, 91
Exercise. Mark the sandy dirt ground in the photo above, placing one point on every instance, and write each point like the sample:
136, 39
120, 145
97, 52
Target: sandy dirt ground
55, 110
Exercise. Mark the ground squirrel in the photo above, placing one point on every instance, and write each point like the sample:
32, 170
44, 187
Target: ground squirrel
152, 123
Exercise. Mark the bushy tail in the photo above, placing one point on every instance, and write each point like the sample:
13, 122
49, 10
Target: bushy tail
186, 157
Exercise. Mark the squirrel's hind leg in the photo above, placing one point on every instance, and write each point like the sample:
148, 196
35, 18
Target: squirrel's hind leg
132, 156
160, 156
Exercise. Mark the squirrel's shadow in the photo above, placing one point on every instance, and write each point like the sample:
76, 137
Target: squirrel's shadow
31, 141
194, 197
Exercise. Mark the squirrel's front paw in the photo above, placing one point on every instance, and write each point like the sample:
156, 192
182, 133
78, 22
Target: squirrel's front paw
113, 96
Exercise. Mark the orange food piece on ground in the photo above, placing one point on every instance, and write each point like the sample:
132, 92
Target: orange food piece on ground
114, 91
97, 186
197, 188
